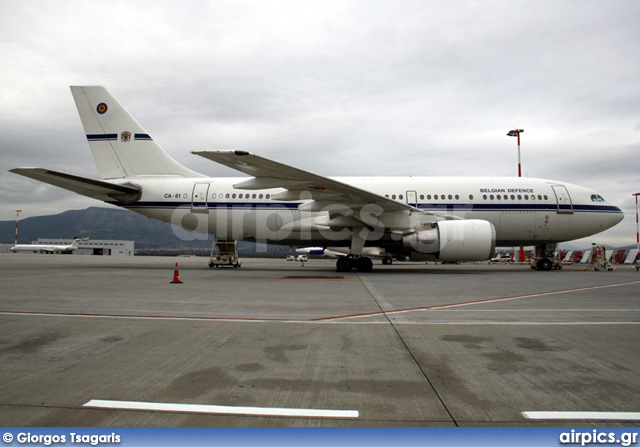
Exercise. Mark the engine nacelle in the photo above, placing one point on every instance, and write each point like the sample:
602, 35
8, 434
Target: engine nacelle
451, 240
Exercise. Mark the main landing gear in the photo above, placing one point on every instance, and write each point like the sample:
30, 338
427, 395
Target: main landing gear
347, 263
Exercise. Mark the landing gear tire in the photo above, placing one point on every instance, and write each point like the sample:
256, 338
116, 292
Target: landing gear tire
543, 265
344, 264
347, 263
365, 265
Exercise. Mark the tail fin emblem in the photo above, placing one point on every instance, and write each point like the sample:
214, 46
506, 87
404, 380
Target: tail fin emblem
102, 108
125, 137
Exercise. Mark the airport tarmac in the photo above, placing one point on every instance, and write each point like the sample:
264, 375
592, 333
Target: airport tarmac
97, 341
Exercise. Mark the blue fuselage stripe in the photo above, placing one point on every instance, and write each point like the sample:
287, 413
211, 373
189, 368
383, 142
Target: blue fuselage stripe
457, 207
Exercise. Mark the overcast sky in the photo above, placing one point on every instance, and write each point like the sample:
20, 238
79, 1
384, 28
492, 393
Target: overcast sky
335, 87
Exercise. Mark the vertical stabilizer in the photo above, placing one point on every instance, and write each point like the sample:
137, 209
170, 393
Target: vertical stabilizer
120, 146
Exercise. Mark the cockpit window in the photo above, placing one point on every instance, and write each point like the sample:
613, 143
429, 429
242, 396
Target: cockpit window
597, 198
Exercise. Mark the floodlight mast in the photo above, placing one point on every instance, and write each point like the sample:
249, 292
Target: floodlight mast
516, 133
637, 226
17, 217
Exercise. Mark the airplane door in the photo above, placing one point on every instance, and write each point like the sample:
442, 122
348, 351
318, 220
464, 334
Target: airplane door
199, 198
565, 206
412, 198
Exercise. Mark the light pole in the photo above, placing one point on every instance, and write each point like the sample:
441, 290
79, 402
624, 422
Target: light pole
516, 133
637, 226
17, 216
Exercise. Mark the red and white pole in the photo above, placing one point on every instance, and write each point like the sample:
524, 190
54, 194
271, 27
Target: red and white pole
17, 216
519, 164
516, 133
637, 226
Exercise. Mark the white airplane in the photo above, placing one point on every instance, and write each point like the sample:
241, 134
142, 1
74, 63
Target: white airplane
416, 218
42, 248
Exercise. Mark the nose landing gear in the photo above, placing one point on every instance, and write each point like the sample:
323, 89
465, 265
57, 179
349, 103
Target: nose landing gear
544, 259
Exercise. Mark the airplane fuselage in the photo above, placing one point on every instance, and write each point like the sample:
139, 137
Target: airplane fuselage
524, 211
36, 248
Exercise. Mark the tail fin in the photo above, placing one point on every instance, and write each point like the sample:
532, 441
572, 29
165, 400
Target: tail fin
120, 146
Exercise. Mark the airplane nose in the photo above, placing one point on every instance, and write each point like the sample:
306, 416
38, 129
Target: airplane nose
614, 217
618, 216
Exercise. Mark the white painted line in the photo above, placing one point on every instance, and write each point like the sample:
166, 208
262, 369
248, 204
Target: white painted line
168, 318
583, 415
519, 323
219, 409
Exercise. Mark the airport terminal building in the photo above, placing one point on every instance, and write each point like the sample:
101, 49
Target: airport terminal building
94, 247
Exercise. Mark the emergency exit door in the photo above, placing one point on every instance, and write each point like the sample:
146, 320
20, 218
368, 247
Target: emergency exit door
565, 206
412, 198
199, 198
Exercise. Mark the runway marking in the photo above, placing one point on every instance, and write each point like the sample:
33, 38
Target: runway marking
583, 415
54, 275
519, 323
320, 321
312, 277
468, 303
156, 317
219, 409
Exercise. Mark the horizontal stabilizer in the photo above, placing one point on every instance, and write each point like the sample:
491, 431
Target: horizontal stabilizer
96, 189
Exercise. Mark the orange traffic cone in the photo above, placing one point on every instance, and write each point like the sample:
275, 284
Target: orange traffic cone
176, 276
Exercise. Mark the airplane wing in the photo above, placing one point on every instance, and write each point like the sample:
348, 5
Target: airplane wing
96, 189
300, 185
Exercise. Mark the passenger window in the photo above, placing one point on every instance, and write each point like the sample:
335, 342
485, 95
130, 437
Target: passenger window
260, 196
442, 197
470, 196
484, 197
233, 196
421, 196
457, 197
428, 196
400, 196
498, 197
268, 196
513, 197
227, 195
491, 197
546, 198
450, 197
519, 197
393, 197
213, 196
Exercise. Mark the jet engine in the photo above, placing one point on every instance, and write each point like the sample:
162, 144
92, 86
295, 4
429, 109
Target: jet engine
451, 240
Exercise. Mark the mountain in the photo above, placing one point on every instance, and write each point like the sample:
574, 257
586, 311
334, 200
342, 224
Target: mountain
151, 236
